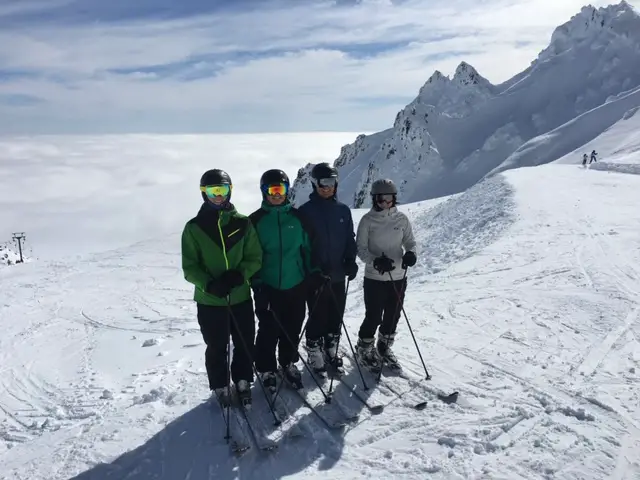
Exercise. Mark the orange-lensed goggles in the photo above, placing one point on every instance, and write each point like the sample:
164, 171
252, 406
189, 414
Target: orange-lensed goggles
276, 189
216, 190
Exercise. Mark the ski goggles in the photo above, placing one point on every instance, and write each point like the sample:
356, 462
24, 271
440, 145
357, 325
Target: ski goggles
276, 189
327, 182
384, 198
216, 190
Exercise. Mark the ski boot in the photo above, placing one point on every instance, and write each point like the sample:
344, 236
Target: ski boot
292, 375
270, 382
223, 396
243, 390
385, 342
315, 358
331, 354
368, 355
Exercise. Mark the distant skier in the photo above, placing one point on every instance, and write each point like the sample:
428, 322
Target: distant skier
336, 249
220, 252
387, 246
585, 157
281, 286
593, 157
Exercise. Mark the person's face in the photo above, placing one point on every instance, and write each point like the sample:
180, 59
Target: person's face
217, 194
384, 201
326, 187
277, 193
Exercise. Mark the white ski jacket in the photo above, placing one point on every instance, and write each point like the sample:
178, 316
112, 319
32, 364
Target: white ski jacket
389, 232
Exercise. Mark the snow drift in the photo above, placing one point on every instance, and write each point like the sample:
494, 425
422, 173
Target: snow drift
461, 128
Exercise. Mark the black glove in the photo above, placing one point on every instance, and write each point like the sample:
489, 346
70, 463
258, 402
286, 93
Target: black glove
218, 288
408, 260
351, 269
317, 280
232, 278
383, 264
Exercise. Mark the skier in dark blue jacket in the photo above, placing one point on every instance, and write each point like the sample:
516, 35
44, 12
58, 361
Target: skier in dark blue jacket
336, 249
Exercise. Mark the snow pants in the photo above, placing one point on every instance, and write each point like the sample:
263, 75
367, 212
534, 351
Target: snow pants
326, 310
382, 301
214, 324
280, 317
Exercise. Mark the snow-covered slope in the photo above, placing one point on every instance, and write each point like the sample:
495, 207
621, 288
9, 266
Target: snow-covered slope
617, 147
526, 303
575, 134
458, 129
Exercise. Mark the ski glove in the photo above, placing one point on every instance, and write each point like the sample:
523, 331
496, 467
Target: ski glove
383, 264
408, 260
317, 280
232, 278
218, 288
351, 269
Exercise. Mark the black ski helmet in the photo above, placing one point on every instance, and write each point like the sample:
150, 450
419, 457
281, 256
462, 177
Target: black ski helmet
323, 170
273, 176
215, 177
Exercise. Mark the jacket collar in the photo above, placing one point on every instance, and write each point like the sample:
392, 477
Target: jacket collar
206, 211
285, 207
314, 197
383, 213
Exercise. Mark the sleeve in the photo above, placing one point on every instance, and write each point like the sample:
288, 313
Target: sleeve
362, 241
252, 254
193, 270
309, 248
408, 239
352, 248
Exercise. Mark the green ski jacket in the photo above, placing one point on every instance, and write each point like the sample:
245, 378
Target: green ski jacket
214, 241
287, 246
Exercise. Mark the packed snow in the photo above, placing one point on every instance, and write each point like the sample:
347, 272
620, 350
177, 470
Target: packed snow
525, 299
459, 129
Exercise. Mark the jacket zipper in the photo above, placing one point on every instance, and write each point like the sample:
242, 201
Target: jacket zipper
280, 236
224, 246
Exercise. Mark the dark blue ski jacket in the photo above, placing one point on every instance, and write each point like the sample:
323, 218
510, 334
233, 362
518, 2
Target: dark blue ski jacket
334, 236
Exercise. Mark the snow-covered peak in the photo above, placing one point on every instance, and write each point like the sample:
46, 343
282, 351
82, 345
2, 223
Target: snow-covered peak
590, 23
455, 96
466, 75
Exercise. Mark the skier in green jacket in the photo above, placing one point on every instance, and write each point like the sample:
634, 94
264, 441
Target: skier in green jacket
220, 253
281, 286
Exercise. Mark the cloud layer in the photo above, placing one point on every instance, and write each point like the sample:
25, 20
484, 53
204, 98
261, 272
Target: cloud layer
105, 66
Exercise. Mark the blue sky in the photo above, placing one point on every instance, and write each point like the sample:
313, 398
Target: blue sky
117, 66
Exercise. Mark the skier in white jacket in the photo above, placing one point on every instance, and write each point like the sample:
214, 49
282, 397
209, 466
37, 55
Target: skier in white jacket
387, 246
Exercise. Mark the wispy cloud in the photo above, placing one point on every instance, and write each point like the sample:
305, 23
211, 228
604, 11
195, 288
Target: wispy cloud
160, 65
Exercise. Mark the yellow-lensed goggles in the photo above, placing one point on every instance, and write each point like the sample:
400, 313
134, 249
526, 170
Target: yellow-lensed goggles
276, 189
216, 190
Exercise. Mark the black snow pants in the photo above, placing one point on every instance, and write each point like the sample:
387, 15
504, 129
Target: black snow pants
382, 307
326, 310
214, 322
273, 309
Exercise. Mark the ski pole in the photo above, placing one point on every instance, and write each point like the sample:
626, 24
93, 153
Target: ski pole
428, 377
346, 332
276, 420
397, 313
311, 310
295, 346
228, 435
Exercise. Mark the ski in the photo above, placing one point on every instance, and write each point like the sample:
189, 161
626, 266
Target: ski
413, 383
263, 443
374, 409
279, 429
237, 441
330, 425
